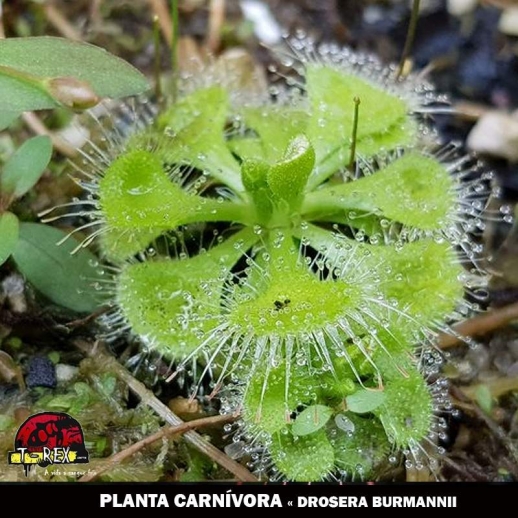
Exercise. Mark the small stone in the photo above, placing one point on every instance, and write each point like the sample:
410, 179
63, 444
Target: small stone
465, 370
13, 287
75, 134
266, 27
495, 133
65, 373
508, 23
461, 7
503, 362
42, 373
479, 358
235, 450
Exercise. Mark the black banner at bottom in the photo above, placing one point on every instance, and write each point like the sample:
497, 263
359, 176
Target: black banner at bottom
325, 496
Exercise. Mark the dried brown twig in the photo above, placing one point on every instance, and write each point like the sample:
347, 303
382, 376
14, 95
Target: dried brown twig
216, 20
60, 23
109, 363
166, 431
36, 125
479, 325
73, 324
160, 9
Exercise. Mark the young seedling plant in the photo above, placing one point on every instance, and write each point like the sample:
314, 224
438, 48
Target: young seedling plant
299, 247
43, 73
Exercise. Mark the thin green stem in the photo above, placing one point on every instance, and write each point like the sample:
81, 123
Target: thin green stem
19, 75
409, 37
157, 67
352, 157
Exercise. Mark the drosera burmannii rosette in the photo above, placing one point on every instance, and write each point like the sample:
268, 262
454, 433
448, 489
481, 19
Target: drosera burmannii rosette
306, 275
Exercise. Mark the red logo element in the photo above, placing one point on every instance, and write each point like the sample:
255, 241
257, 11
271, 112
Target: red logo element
49, 438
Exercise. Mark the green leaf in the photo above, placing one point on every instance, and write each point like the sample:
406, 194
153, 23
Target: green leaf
195, 127
484, 398
108, 385
21, 96
172, 301
364, 401
360, 447
415, 190
267, 410
63, 277
254, 174
6, 422
407, 413
340, 249
9, 227
7, 118
399, 135
246, 148
25, 167
140, 202
276, 127
287, 178
331, 93
60, 402
285, 280
424, 277
311, 419
273, 394
48, 57
54, 357
303, 459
